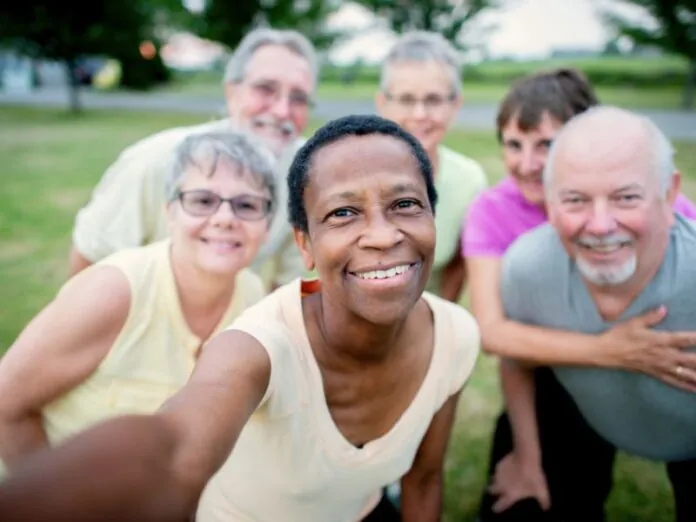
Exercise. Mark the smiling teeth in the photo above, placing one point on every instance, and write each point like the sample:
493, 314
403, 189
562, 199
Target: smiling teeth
605, 248
384, 274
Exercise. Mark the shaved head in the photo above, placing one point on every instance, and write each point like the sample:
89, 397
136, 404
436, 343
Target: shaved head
605, 137
610, 185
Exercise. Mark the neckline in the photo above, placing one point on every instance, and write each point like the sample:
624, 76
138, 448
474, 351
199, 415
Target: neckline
172, 302
335, 441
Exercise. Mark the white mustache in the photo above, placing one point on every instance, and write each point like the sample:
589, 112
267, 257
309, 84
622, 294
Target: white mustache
605, 241
286, 127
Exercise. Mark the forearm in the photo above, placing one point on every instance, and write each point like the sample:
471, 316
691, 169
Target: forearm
77, 262
451, 289
421, 498
453, 280
518, 392
20, 438
544, 347
121, 470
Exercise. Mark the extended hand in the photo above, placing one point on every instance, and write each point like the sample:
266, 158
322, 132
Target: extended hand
514, 481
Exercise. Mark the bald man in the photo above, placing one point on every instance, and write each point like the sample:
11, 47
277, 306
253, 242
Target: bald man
613, 249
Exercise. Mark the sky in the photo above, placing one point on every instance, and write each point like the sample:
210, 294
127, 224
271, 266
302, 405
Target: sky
531, 27
525, 28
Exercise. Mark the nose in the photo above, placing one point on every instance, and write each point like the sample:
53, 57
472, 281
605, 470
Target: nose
601, 221
419, 112
224, 217
530, 162
380, 234
281, 107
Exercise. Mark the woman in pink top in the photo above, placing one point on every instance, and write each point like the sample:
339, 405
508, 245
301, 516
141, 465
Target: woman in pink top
573, 477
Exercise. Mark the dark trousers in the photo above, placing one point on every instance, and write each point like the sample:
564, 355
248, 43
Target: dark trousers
682, 475
383, 512
577, 462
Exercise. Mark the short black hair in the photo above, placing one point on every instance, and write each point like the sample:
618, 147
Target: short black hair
336, 130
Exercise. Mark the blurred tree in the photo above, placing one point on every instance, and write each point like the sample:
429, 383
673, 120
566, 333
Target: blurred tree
68, 31
448, 17
673, 31
227, 21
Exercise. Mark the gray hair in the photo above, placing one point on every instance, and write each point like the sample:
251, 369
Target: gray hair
207, 149
423, 46
662, 153
254, 40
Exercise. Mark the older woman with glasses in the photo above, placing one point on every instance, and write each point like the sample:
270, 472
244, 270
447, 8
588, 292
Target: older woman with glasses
421, 91
124, 335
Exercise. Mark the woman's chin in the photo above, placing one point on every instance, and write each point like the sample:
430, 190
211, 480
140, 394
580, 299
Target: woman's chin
220, 267
533, 193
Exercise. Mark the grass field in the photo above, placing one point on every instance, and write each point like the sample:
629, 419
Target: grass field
52, 161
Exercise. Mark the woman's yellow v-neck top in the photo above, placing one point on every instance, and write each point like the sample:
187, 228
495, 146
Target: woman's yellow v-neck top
155, 352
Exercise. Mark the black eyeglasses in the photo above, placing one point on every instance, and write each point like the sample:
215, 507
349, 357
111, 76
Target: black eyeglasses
205, 203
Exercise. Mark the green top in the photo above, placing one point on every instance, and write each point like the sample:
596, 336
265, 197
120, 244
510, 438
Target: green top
458, 181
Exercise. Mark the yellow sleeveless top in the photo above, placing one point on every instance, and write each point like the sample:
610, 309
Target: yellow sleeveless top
154, 353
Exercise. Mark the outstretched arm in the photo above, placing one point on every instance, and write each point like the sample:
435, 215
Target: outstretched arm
154, 466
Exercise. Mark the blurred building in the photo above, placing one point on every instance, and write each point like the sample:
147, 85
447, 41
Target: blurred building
188, 52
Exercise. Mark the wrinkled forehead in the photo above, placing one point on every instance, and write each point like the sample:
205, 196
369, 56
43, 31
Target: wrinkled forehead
211, 171
603, 163
353, 156
279, 64
362, 169
419, 76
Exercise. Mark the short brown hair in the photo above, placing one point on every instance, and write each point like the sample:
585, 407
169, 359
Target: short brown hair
563, 93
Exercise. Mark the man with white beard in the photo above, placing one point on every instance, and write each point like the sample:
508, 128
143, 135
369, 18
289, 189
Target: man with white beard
613, 250
268, 85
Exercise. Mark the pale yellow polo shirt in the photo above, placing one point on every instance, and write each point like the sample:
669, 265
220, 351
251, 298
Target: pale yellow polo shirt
291, 463
127, 207
155, 352
457, 182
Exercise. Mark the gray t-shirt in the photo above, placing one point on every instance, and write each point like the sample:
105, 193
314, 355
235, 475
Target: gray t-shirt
639, 414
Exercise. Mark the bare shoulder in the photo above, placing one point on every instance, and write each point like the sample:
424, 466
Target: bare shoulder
92, 305
67, 340
98, 290
234, 349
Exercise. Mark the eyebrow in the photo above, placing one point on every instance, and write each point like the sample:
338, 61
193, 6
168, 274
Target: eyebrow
349, 195
401, 188
625, 188
632, 186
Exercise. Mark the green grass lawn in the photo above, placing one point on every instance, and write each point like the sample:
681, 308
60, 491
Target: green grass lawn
51, 162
